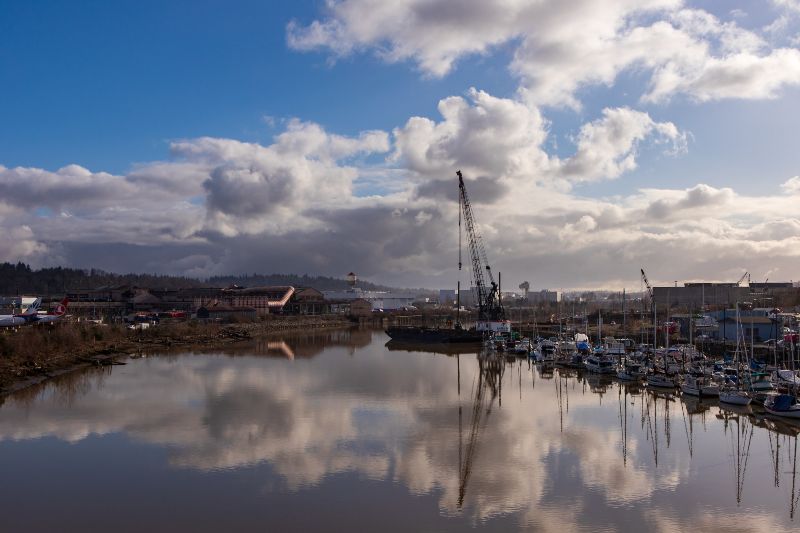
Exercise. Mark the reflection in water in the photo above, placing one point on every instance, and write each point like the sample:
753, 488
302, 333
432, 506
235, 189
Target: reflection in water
490, 376
288, 425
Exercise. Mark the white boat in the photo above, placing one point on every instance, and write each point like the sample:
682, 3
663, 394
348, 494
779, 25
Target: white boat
660, 380
783, 405
547, 351
576, 361
614, 347
786, 378
523, 346
695, 386
600, 364
631, 372
734, 396
757, 381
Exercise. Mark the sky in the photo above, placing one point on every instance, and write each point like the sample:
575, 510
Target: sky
323, 137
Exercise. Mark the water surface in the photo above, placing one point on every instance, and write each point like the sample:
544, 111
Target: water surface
336, 431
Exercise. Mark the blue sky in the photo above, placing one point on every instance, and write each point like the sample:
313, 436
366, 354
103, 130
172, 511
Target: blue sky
110, 84
579, 129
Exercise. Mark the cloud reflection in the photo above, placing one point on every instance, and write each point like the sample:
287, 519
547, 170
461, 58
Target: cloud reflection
391, 416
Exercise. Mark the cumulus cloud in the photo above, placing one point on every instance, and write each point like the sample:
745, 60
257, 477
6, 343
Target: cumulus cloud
487, 136
607, 146
384, 203
562, 46
792, 185
222, 205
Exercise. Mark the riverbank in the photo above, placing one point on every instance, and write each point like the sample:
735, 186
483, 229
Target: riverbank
35, 354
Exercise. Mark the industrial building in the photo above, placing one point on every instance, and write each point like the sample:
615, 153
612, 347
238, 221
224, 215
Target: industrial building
380, 300
227, 313
543, 297
447, 297
698, 295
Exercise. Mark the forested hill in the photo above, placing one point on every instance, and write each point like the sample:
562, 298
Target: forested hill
19, 278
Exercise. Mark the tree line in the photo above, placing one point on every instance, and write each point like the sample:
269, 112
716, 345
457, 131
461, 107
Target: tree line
20, 278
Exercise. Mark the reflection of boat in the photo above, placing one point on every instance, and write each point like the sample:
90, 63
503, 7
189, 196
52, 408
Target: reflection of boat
694, 405
443, 348
743, 436
424, 335
739, 409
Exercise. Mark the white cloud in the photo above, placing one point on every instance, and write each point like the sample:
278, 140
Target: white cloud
562, 46
792, 185
223, 205
607, 146
485, 136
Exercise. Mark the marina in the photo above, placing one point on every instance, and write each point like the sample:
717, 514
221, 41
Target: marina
385, 438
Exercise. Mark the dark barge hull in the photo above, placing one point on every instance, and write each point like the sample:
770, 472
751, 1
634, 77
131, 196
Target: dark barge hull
433, 335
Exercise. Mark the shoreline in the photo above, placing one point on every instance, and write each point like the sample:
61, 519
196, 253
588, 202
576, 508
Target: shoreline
104, 346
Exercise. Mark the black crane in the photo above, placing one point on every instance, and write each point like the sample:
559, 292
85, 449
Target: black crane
490, 306
649, 289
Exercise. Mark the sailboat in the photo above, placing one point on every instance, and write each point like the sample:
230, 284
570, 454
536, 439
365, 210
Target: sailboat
730, 391
697, 386
785, 405
631, 370
782, 405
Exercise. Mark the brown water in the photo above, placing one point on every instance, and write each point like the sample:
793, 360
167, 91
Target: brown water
335, 431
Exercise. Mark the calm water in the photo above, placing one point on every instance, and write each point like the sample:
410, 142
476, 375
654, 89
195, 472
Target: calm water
336, 431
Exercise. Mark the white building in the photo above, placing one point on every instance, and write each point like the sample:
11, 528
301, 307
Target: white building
386, 301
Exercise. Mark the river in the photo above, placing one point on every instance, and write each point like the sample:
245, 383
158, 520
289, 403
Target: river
335, 431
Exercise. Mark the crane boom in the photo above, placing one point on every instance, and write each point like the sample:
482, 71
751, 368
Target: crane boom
746, 275
490, 306
649, 287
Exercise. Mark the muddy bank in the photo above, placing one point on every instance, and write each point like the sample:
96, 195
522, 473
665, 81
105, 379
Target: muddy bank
35, 354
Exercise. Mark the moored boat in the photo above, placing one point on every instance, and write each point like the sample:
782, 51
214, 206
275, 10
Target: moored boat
631, 371
660, 380
696, 386
600, 364
734, 396
783, 405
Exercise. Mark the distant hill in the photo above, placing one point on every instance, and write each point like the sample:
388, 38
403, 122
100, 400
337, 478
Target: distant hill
19, 278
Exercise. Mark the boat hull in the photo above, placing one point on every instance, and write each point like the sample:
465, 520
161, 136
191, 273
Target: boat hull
734, 398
